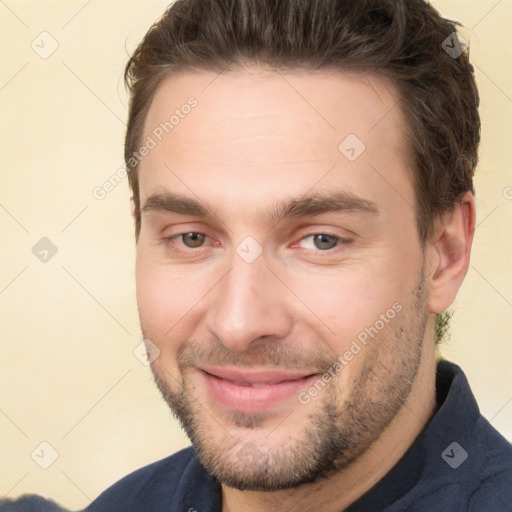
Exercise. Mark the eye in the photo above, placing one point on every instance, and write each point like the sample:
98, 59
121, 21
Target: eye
189, 244
321, 241
192, 239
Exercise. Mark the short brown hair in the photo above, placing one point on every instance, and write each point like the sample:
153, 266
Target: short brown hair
404, 40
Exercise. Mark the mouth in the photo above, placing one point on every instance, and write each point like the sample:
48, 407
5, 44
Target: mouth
252, 390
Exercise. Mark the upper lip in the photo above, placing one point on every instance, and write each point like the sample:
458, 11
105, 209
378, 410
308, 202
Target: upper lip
255, 376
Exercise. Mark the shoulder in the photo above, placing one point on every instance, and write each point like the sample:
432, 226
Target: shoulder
29, 503
160, 486
495, 483
485, 473
178, 482
171, 469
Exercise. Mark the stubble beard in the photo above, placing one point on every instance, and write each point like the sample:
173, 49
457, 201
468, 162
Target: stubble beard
335, 435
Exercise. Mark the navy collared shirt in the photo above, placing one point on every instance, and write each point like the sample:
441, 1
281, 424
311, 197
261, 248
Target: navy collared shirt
458, 463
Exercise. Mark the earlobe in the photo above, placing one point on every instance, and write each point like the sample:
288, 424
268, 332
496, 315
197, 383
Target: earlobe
450, 253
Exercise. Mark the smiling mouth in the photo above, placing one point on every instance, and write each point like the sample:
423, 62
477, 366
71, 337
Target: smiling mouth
257, 384
256, 378
253, 391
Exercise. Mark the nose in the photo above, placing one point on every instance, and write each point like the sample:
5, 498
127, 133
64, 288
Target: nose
248, 304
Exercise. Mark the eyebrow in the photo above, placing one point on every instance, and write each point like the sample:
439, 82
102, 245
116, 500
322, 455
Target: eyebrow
318, 204
305, 206
173, 203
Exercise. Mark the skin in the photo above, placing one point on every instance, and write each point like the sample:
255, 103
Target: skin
253, 142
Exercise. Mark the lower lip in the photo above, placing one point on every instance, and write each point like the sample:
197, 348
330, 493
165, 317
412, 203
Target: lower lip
248, 399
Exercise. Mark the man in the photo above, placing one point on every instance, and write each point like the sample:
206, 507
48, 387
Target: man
303, 200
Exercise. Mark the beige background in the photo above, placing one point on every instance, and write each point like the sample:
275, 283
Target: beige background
69, 326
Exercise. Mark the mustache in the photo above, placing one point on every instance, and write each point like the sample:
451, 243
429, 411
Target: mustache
268, 354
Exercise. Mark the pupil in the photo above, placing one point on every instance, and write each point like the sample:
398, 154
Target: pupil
193, 239
324, 241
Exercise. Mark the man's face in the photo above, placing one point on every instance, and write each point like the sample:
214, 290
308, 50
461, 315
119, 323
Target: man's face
279, 272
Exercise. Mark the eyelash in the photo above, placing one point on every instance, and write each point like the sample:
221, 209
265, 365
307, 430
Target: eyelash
179, 247
338, 239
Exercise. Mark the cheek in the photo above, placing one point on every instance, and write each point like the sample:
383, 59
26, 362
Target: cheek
166, 309
343, 303
167, 300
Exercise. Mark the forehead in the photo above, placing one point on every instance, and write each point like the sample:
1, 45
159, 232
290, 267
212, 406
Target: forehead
271, 132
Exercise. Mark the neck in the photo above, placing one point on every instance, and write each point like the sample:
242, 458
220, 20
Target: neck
343, 488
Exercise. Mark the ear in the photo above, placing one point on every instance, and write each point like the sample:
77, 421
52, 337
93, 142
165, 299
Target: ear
132, 207
449, 253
